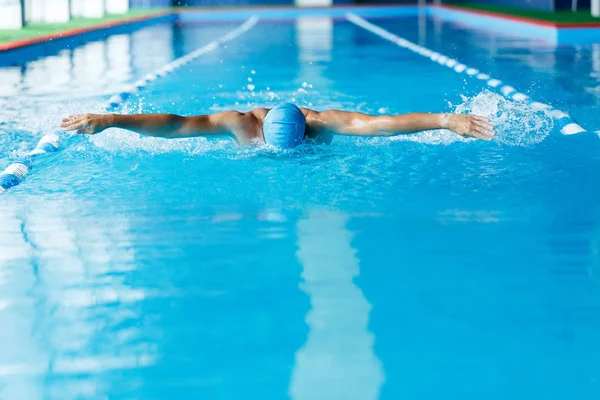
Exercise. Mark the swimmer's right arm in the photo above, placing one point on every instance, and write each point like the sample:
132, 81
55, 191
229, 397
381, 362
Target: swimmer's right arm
359, 124
169, 126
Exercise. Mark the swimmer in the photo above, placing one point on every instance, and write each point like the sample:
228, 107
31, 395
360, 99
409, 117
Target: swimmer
283, 126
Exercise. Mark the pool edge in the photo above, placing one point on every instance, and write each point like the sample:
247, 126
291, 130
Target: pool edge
30, 49
77, 31
553, 32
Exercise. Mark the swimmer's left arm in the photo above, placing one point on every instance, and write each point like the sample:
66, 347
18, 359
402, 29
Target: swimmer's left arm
358, 124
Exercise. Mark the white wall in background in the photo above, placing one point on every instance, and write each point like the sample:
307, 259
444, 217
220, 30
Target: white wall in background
314, 3
34, 10
92, 8
10, 14
117, 6
596, 8
76, 8
57, 11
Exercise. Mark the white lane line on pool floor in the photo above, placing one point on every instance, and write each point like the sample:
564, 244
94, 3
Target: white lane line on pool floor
568, 125
49, 143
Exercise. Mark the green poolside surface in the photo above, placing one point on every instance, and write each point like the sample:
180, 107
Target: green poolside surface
565, 17
34, 30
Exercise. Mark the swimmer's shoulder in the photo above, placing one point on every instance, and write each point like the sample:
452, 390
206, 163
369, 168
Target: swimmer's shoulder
317, 129
246, 126
314, 119
250, 131
259, 113
308, 113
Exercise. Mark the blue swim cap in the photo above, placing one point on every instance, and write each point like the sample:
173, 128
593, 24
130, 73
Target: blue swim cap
284, 126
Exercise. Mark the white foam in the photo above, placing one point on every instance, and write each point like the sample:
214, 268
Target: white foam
515, 123
123, 142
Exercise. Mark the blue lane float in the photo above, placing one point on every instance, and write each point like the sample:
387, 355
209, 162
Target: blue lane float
18, 170
568, 126
50, 143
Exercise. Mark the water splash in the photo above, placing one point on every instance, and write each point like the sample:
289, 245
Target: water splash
516, 123
124, 142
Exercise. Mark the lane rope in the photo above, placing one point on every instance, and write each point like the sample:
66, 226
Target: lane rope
567, 124
16, 172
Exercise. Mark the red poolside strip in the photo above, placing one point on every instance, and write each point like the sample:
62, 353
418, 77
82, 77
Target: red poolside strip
78, 31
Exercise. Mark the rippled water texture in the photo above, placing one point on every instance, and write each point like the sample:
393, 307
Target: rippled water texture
416, 267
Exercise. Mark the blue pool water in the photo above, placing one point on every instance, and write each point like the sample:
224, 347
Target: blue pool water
414, 267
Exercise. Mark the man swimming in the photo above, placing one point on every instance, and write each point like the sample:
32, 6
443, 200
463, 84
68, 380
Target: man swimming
283, 126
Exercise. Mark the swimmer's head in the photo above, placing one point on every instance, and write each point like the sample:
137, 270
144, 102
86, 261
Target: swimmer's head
284, 126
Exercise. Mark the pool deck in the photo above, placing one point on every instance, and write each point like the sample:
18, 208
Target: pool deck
40, 32
580, 18
559, 27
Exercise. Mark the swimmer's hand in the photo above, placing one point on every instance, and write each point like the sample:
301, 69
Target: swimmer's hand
469, 126
86, 124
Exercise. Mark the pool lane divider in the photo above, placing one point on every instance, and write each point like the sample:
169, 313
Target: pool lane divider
50, 143
18, 170
567, 125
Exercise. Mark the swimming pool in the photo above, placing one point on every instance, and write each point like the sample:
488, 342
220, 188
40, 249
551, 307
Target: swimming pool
412, 267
